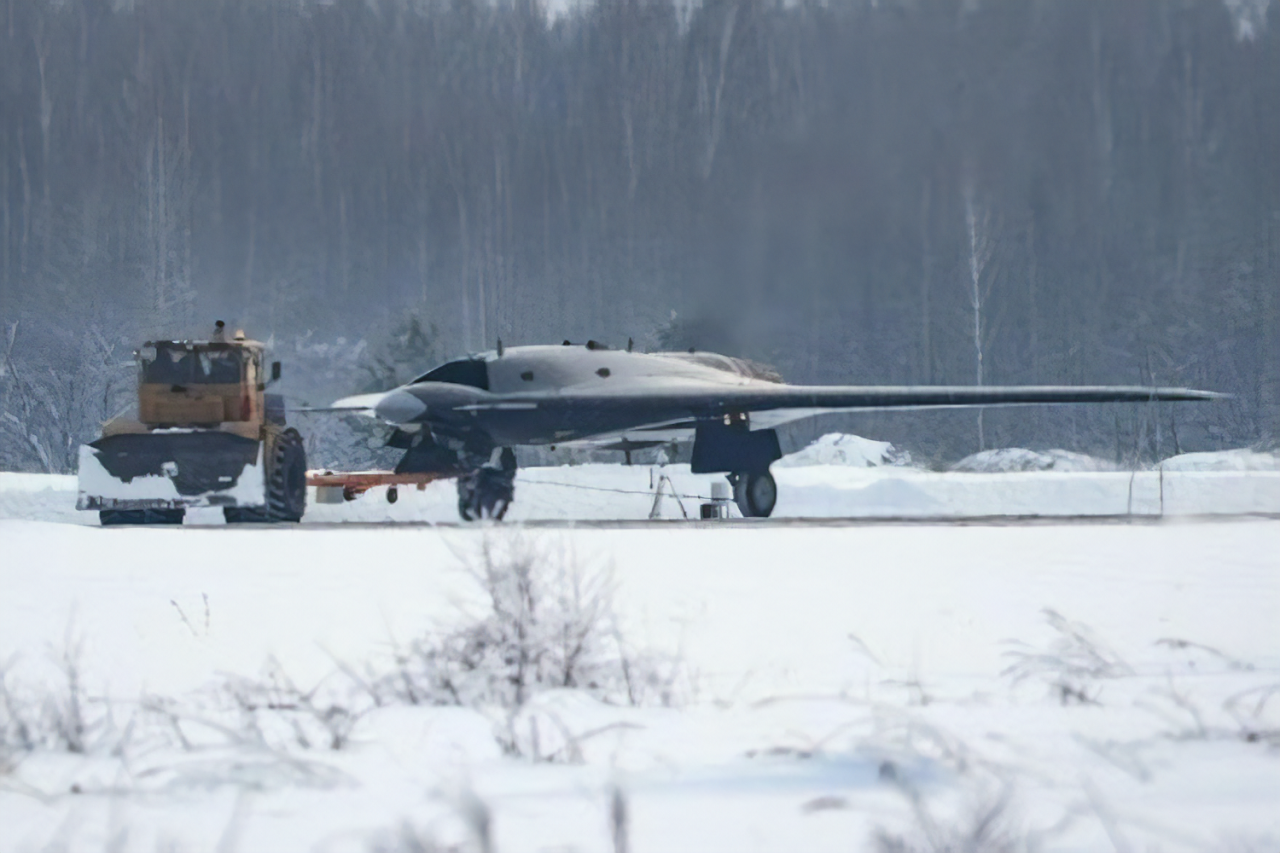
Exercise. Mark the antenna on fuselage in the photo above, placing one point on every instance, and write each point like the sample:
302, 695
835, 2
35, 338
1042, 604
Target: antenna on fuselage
630, 344
499, 347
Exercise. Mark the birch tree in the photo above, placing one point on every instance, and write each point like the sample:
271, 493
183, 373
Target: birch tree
982, 243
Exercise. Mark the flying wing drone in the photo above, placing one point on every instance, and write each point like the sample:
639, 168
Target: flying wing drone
463, 417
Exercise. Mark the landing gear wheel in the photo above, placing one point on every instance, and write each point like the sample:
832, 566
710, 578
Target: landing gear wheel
485, 493
286, 491
393, 494
754, 493
112, 517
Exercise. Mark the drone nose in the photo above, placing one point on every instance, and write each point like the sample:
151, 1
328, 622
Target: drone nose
400, 407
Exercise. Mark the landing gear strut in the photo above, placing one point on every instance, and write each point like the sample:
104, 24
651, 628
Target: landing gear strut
754, 492
487, 492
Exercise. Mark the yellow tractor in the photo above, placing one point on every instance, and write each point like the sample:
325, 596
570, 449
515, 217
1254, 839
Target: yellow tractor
206, 435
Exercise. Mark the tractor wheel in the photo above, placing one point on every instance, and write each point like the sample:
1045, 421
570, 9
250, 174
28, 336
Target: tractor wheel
287, 478
755, 494
286, 491
112, 517
245, 515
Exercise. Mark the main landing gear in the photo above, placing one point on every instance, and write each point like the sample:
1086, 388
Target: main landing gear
755, 493
732, 446
487, 492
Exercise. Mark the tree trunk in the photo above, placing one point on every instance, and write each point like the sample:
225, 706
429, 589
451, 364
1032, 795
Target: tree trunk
716, 122
1033, 297
162, 223
926, 284
25, 172
978, 253
6, 223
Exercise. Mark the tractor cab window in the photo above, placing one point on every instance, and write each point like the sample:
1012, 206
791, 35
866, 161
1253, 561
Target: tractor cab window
468, 371
178, 365
216, 367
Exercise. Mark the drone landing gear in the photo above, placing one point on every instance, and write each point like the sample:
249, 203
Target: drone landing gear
487, 492
754, 492
732, 446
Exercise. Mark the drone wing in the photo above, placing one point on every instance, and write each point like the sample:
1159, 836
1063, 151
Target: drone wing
710, 401
853, 397
681, 406
360, 404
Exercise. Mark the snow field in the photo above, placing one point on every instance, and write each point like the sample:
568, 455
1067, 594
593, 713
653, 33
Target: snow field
830, 678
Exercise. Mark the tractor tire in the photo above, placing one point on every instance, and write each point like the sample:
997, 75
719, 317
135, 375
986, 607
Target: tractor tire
286, 489
245, 515
287, 478
112, 517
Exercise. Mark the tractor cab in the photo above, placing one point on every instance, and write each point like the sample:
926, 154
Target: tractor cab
201, 383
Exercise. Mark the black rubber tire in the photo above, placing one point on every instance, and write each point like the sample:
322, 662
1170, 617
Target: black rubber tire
485, 493
287, 478
755, 494
286, 489
112, 517
497, 495
245, 515
468, 507
393, 494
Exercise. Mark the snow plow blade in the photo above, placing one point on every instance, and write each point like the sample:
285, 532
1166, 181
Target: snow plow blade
171, 469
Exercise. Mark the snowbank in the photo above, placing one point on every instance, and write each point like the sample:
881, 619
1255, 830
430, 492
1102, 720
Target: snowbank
1017, 459
1224, 460
40, 497
1011, 459
836, 448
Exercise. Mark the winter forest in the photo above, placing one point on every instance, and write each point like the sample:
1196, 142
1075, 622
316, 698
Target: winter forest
892, 192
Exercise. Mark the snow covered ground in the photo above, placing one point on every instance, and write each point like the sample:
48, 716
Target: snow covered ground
837, 682
1086, 686
839, 476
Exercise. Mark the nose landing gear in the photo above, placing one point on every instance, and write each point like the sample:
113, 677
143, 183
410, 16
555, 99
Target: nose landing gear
487, 492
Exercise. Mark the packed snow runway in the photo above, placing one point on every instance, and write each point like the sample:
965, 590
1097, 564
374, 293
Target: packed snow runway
1060, 687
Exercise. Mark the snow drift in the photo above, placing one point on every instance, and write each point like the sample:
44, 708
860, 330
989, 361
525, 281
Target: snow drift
837, 448
1224, 460
1011, 459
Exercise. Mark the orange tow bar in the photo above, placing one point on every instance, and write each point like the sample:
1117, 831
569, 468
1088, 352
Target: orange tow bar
338, 486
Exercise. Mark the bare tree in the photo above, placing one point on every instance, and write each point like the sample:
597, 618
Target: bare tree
49, 408
981, 234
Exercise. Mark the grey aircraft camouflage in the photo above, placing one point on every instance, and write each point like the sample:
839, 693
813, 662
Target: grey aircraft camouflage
463, 417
